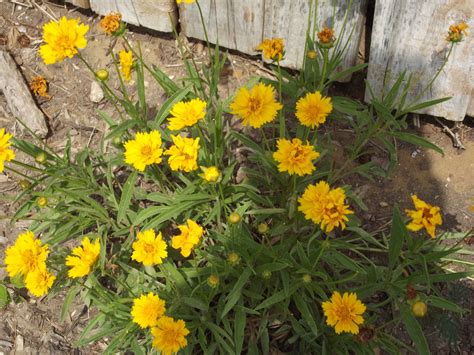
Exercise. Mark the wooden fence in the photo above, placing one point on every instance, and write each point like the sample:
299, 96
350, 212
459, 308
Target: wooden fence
406, 35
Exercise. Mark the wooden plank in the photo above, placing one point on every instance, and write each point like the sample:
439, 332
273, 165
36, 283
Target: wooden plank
18, 96
288, 20
153, 14
232, 24
85, 4
410, 35
243, 24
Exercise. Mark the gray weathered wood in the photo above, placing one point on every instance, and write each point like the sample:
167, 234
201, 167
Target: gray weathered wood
18, 96
85, 4
410, 35
154, 14
243, 24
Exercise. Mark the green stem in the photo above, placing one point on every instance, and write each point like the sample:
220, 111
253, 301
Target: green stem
205, 30
28, 166
280, 99
264, 137
323, 74
17, 172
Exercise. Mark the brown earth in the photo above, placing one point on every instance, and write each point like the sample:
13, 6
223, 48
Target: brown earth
34, 326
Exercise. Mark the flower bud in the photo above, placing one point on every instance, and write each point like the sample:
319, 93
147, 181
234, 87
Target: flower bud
117, 141
307, 278
102, 74
262, 228
42, 202
266, 274
419, 309
24, 184
210, 174
234, 218
213, 281
40, 158
233, 258
311, 54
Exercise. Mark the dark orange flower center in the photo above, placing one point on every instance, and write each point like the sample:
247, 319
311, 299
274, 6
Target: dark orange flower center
255, 104
146, 150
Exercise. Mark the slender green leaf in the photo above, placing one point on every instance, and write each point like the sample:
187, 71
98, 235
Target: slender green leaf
414, 330
398, 235
416, 140
127, 192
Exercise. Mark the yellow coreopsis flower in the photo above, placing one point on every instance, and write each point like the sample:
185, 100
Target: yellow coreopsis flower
273, 49
186, 1
144, 150
39, 86
295, 157
149, 249
147, 309
82, 258
210, 174
62, 40
169, 335
326, 35
313, 109
257, 106
191, 234
26, 255
111, 22
126, 64
6, 154
183, 154
424, 216
186, 114
325, 206
457, 32
39, 281
344, 313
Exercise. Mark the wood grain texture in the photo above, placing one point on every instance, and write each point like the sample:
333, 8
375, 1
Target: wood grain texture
410, 35
85, 4
153, 14
243, 24
18, 96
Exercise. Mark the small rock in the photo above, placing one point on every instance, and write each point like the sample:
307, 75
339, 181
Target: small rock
383, 204
97, 94
3, 240
19, 343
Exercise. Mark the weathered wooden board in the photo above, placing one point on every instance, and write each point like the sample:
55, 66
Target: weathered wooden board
410, 35
158, 15
243, 24
18, 96
80, 3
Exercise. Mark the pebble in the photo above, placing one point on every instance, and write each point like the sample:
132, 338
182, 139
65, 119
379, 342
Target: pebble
96, 94
383, 204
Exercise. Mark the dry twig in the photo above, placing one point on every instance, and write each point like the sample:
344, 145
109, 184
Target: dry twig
454, 135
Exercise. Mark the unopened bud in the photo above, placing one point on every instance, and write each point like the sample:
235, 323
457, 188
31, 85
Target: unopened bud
213, 281
42, 202
102, 74
40, 158
234, 218
419, 309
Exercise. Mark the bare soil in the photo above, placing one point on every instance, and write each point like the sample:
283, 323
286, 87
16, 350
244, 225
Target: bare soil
34, 326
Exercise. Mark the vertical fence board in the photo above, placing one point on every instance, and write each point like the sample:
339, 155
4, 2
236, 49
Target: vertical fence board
410, 35
80, 3
232, 24
243, 24
154, 14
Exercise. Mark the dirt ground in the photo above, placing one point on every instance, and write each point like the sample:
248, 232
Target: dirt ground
34, 326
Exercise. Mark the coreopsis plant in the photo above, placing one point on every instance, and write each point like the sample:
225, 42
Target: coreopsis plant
180, 246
